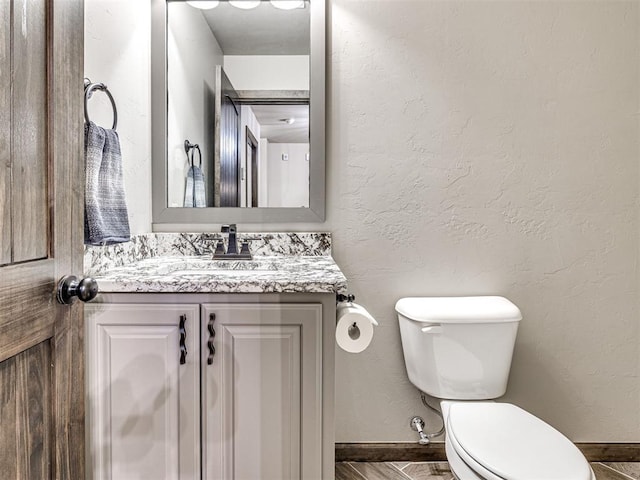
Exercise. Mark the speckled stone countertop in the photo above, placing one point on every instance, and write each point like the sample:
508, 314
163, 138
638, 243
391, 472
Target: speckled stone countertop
182, 263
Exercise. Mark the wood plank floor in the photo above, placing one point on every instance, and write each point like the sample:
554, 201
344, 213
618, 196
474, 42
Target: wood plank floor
440, 471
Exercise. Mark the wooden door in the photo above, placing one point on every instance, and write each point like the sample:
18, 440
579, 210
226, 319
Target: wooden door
143, 391
41, 215
227, 139
262, 391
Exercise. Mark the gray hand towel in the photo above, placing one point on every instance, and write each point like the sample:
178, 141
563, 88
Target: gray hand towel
194, 190
106, 219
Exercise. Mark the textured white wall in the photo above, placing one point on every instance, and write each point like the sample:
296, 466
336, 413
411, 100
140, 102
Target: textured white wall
481, 147
117, 53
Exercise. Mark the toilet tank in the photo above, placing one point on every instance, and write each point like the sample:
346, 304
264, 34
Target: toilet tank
458, 348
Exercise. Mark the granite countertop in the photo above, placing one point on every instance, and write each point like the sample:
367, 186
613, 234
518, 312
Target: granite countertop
174, 268
317, 274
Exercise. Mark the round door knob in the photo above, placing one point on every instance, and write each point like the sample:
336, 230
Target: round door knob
70, 288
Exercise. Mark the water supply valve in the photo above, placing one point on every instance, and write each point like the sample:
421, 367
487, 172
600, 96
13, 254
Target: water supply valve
417, 424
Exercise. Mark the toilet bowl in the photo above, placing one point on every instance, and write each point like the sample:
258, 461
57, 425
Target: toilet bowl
459, 349
498, 441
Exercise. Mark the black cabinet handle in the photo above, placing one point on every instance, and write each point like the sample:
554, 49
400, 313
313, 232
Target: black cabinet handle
212, 335
183, 339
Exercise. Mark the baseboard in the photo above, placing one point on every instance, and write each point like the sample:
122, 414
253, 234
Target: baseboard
390, 452
610, 452
434, 452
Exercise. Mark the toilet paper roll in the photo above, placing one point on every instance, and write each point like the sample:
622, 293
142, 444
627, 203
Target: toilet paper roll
354, 330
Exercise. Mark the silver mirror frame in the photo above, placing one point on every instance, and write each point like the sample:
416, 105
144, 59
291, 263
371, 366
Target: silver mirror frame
162, 214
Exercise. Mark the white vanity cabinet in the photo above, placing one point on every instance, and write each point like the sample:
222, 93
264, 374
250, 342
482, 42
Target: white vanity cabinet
252, 401
262, 391
143, 403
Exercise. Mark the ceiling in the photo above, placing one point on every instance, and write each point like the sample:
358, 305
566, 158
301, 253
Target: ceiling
275, 130
264, 30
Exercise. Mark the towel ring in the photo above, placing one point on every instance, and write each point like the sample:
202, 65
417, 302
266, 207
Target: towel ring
188, 146
89, 88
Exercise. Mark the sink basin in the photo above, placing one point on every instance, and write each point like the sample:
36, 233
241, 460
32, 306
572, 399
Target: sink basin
222, 272
234, 265
220, 268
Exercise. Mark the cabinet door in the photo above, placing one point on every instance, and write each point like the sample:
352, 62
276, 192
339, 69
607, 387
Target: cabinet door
262, 391
143, 403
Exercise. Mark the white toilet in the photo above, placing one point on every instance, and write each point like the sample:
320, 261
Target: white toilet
459, 349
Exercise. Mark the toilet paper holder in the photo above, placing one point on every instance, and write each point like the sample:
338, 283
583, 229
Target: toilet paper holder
340, 297
350, 299
354, 324
354, 331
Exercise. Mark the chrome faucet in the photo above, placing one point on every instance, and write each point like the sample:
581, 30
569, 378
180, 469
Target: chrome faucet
232, 246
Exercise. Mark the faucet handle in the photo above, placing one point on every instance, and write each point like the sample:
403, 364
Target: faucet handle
244, 248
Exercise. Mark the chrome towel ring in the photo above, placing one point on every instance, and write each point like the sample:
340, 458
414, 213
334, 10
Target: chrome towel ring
89, 88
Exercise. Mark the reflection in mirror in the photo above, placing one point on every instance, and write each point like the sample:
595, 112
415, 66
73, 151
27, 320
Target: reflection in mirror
238, 87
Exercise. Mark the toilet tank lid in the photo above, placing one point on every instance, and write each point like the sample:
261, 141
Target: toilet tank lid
482, 309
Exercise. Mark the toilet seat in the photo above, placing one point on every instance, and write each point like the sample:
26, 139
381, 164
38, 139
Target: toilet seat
465, 467
500, 441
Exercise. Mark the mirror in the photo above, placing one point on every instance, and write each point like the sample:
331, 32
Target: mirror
238, 111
